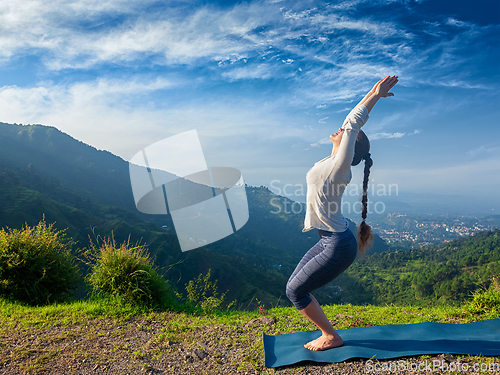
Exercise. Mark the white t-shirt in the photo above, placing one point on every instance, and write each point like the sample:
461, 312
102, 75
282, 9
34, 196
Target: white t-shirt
328, 178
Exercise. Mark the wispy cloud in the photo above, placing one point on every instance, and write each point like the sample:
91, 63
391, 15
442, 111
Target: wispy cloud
249, 72
323, 141
457, 23
81, 35
179, 34
376, 136
372, 137
484, 150
115, 115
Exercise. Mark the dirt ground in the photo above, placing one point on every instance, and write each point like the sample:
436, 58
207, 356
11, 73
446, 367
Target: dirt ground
142, 346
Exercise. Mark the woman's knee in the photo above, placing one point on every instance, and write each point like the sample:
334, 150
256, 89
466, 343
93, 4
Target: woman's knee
299, 300
291, 292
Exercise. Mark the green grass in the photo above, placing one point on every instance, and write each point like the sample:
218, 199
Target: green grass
221, 331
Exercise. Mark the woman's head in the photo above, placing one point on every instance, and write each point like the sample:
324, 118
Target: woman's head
362, 152
337, 137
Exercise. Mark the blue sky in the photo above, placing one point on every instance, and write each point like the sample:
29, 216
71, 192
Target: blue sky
266, 82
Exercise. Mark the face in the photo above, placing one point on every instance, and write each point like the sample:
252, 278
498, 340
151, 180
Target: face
337, 137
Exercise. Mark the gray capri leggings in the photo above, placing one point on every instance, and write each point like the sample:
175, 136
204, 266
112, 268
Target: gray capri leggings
331, 255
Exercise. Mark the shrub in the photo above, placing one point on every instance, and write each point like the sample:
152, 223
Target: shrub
486, 300
202, 294
126, 274
36, 265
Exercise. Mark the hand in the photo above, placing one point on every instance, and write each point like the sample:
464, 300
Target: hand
383, 86
380, 90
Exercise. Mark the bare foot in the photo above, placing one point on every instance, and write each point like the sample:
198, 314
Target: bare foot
324, 342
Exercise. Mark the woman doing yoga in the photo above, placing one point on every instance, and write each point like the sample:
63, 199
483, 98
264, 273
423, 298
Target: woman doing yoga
337, 247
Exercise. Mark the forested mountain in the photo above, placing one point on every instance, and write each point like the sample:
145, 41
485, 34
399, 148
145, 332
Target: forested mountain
441, 274
46, 172
54, 154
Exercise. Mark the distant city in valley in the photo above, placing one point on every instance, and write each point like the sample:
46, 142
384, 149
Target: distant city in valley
406, 230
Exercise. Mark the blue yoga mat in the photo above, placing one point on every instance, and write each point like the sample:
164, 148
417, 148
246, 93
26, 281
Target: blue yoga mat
388, 341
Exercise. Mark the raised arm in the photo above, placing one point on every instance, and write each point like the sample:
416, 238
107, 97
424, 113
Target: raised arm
357, 118
380, 90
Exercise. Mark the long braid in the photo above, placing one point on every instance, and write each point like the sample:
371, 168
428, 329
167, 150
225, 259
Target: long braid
365, 235
366, 176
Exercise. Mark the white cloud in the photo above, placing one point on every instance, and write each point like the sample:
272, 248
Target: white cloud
384, 135
180, 35
113, 115
484, 150
376, 136
249, 72
85, 34
457, 23
51, 26
323, 141
93, 112
346, 109
176, 36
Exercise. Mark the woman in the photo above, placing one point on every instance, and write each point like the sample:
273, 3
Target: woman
337, 247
